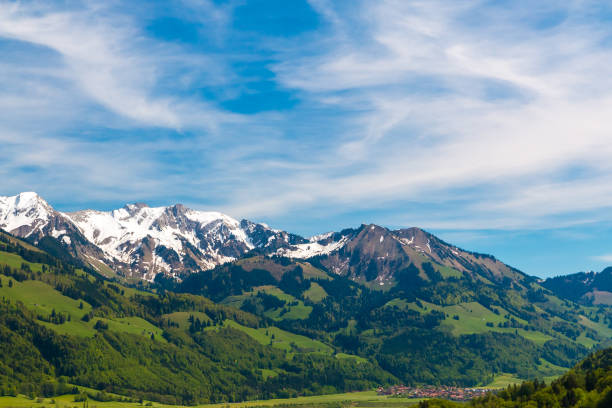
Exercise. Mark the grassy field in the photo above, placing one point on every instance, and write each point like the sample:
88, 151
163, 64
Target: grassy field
182, 318
41, 298
15, 261
448, 272
135, 325
310, 272
19, 242
281, 339
356, 358
504, 380
473, 318
363, 399
236, 301
535, 336
132, 325
315, 293
353, 399
297, 312
602, 329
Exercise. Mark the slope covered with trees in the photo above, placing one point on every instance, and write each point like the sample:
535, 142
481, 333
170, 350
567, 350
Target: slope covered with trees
430, 324
590, 288
63, 325
270, 326
587, 385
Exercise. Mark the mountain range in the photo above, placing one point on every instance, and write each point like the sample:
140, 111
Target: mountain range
140, 242
340, 311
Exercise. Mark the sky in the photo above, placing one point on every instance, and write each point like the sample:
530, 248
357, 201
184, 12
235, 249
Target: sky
484, 122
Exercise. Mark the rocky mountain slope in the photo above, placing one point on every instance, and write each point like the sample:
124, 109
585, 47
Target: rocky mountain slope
140, 241
27, 215
375, 254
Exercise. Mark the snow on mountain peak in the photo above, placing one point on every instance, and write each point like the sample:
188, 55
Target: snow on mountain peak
23, 201
27, 199
24, 211
156, 239
138, 240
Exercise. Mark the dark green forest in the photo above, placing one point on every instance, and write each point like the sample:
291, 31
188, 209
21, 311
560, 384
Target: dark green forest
588, 385
188, 367
281, 329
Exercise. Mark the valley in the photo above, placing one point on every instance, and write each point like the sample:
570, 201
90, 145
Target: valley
346, 312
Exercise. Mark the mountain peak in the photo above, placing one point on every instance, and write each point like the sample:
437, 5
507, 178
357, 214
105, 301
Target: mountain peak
26, 199
24, 213
27, 196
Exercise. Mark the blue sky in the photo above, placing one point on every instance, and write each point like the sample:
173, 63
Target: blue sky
486, 122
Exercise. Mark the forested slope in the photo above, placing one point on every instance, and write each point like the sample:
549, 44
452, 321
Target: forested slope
63, 325
588, 385
431, 324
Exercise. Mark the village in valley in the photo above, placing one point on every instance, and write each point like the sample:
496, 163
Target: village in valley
445, 392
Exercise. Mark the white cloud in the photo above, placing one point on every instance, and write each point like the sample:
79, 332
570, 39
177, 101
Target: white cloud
517, 109
113, 63
461, 105
603, 258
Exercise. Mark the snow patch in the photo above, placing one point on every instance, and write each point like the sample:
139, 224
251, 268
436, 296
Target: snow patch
310, 249
321, 237
405, 241
56, 234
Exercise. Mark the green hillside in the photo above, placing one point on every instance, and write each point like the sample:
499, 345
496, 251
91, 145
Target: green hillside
264, 328
63, 325
588, 385
429, 310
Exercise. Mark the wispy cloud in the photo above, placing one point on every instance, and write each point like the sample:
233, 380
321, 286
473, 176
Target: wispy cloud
108, 59
439, 96
603, 258
91, 106
462, 114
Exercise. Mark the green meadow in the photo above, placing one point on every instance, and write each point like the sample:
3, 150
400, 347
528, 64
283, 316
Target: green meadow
363, 399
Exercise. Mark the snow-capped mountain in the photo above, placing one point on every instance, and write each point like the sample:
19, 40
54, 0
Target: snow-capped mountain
27, 215
141, 241
175, 239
